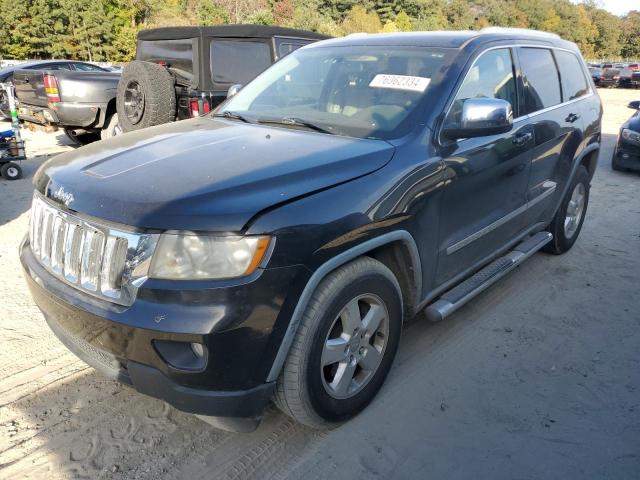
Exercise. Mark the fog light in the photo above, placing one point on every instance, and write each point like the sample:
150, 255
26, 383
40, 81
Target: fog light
198, 349
182, 355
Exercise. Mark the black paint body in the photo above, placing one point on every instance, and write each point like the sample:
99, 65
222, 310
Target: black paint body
320, 196
627, 153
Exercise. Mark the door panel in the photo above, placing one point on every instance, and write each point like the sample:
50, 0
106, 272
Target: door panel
482, 208
557, 123
483, 204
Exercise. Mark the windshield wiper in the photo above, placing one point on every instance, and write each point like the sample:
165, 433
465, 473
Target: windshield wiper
232, 115
296, 122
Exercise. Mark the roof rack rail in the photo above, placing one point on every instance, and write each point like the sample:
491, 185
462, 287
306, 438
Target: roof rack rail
522, 31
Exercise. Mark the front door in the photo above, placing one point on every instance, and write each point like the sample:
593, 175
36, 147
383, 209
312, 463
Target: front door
483, 205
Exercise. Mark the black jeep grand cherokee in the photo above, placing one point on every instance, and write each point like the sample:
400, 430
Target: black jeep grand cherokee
272, 249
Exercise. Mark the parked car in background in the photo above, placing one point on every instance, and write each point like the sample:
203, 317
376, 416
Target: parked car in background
634, 67
184, 72
596, 74
635, 79
6, 74
81, 101
627, 153
353, 184
615, 77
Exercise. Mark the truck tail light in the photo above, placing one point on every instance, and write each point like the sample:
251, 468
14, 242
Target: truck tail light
198, 107
195, 109
51, 87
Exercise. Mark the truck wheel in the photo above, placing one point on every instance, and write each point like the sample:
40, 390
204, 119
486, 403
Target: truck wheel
82, 139
146, 96
344, 346
567, 223
11, 171
111, 127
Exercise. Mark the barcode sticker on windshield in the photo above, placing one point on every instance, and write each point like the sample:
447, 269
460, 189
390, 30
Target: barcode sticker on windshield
400, 82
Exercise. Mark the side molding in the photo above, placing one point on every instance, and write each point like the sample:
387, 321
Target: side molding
328, 267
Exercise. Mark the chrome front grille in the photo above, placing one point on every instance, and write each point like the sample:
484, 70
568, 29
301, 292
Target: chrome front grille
104, 261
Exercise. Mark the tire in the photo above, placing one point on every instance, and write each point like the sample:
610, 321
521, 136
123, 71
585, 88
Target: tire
146, 96
83, 139
564, 238
11, 171
111, 127
305, 391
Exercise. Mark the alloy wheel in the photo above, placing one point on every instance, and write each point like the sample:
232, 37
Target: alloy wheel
354, 347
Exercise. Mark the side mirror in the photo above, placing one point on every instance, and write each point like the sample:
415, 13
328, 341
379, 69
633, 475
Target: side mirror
635, 105
481, 117
233, 89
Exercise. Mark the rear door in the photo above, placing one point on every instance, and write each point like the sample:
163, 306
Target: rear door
556, 117
482, 207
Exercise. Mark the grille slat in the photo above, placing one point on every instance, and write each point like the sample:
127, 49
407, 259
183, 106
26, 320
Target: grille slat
95, 258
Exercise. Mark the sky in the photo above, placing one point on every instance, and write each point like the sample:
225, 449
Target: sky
618, 7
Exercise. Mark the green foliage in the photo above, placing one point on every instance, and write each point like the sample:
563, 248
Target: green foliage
359, 20
106, 29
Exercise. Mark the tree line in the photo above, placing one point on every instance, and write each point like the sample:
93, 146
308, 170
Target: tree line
105, 30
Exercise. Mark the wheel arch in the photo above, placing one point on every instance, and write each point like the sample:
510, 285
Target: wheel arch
390, 249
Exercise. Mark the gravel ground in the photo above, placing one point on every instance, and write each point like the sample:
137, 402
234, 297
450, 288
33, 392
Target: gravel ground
539, 377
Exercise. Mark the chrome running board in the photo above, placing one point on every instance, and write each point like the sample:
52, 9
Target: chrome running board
455, 298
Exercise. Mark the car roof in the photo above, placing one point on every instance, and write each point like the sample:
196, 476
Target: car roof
255, 31
19, 66
446, 39
37, 63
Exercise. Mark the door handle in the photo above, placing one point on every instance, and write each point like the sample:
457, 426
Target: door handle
572, 117
522, 138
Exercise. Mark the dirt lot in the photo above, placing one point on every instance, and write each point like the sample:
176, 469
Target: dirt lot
537, 378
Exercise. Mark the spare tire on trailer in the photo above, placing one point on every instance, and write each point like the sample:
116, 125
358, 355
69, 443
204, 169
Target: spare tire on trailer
146, 96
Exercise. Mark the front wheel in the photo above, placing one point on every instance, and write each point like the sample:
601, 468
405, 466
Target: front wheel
567, 223
344, 346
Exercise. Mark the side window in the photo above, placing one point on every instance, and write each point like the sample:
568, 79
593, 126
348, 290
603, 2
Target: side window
238, 61
574, 83
491, 76
284, 46
541, 76
87, 67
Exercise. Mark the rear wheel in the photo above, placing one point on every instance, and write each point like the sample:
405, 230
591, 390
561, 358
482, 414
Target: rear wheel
344, 346
11, 171
567, 223
146, 96
111, 127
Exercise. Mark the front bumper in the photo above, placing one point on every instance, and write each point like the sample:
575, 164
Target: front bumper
627, 155
238, 325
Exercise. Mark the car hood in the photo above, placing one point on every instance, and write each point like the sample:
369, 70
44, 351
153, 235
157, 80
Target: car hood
203, 174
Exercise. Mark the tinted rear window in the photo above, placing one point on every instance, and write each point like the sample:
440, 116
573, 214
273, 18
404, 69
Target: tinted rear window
574, 83
178, 54
238, 61
541, 75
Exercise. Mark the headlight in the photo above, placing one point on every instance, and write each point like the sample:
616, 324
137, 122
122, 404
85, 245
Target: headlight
630, 135
196, 257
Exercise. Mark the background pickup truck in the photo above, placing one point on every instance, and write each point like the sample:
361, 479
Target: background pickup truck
83, 103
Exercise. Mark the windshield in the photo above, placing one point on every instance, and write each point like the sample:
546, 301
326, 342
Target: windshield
364, 91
